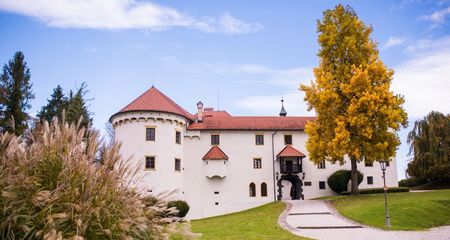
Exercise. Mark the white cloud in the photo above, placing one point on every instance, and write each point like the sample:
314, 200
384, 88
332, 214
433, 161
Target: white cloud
437, 17
285, 80
121, 14
424, 79
429, 45
261, 73
394, 41
229, 24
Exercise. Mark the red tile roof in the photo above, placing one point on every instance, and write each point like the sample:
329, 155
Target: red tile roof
290, 151
215, 153
224, 121
154, 100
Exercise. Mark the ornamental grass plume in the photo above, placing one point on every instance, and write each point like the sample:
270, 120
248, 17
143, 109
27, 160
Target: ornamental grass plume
64, 183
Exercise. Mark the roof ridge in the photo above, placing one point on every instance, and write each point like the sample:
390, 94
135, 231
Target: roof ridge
154, 100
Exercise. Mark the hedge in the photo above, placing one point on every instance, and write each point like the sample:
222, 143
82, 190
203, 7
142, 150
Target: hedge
181, 206
338, 181
378, 190
412, 182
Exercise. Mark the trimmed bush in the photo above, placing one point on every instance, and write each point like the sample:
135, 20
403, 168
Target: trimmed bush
338, 181
378, 190
411, 182
181, 206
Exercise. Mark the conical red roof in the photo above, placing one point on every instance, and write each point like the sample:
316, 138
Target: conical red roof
290, 151
215, 153
154, 100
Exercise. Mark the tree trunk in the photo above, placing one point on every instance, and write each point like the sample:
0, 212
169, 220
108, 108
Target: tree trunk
354, 176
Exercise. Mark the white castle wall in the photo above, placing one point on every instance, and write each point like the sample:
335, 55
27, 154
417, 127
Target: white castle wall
192, 183
130, 131
234, 188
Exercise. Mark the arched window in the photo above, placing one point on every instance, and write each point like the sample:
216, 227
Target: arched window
263, 189
252, 190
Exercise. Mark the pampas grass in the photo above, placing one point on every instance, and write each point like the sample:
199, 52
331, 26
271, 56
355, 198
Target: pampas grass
64, 183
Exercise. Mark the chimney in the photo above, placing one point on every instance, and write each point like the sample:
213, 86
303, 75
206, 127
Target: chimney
199, 111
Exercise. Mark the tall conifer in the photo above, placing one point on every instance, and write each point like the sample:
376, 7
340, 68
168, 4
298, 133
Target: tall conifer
15, 95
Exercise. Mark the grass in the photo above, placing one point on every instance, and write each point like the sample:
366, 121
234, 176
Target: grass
257, 223
407, 211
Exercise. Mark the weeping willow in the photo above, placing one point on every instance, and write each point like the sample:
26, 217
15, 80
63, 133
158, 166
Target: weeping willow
430, 147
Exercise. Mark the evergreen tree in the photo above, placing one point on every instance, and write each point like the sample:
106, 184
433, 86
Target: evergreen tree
357, 114
55, 106
430, 146
77, 109
15, 95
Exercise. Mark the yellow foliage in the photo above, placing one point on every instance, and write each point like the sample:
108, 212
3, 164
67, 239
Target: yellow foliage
357, 114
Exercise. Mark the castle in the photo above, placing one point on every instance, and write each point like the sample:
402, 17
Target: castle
220, 163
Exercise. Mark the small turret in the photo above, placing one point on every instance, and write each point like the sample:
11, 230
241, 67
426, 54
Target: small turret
283, 112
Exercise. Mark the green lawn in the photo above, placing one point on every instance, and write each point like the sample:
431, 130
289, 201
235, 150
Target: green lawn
407, 211
258, 223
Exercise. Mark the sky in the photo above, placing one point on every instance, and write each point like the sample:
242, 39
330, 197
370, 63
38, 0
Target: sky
238, 56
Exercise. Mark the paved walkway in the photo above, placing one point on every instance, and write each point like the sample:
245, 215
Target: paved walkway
315, 219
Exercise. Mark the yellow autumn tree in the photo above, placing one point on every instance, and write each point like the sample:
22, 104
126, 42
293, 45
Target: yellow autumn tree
357, 114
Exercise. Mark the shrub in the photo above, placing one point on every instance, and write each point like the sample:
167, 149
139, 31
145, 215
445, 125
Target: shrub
181, 206
411, 182
54, 187
338, 181
378, 190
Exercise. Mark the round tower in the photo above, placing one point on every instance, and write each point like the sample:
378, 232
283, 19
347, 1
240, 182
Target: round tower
151, 130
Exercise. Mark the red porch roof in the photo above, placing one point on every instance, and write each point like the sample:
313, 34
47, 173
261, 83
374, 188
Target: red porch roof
290, 151
215, 153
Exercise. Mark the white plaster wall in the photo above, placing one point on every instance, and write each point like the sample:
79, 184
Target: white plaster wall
130, 131
192, 183
314, 175
234, 187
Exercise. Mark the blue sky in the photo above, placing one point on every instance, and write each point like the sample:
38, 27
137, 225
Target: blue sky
253, 51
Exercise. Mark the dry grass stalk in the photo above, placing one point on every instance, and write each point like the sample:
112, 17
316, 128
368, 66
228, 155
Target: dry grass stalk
64, 183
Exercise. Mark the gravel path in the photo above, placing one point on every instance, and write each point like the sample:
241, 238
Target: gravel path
315, 219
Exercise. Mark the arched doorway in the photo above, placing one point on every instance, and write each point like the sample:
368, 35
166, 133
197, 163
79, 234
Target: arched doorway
295, 187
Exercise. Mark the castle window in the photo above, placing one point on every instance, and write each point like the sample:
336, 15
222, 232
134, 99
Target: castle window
257, 163
287, 139
307, 183
387, 164
150, 163
321, 165
178, 137
369, 180
263, 190
259, 139
150, 134
368, 164
177, 164
215, 139
321, 185
252, 190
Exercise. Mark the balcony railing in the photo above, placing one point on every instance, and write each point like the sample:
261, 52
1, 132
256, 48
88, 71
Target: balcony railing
290, 168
